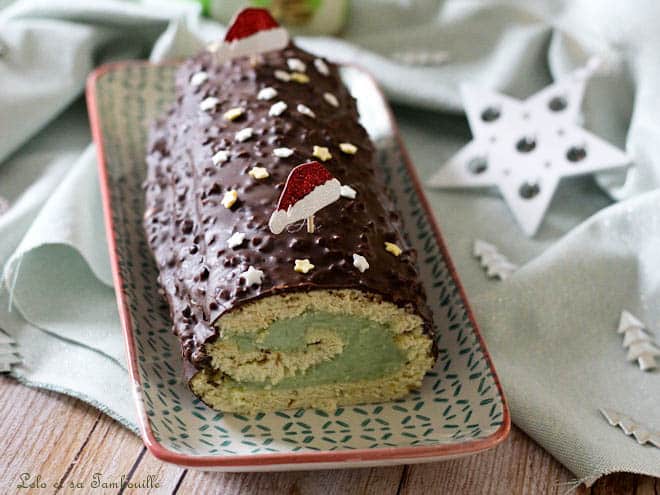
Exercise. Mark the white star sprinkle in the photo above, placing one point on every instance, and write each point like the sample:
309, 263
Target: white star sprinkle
347, 192
282, 75
235, 240
229, 199
360, 262
305, 110
209, 103
258, 173
277, 108
525, 147
322, 153
220, 157
253, 276
282, 152
331, 99
198, 78
267, 93
244, 134
321, 66
303, 266
297, 65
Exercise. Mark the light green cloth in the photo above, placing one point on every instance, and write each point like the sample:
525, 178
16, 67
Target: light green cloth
551, 328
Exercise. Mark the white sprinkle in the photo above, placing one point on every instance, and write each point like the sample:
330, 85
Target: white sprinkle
360, 262
258, 173
267, 93
236, 240
331, 99
282, 152
229, 199
347, 192
348, 148
277, 108
305, 110
233, 113
321, 67
220, 157
390, 247
303, 266
322, 153
209, 103
297, 65
282, 75
300, 77
253, 276
244, 134
198, 78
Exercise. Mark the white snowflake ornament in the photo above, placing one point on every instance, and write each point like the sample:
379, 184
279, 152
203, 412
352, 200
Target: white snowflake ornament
525, 147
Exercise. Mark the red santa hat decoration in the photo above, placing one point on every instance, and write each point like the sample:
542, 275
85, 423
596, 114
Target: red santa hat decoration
309, 188
251, 32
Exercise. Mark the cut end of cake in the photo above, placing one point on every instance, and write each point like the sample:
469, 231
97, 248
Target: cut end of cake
317, 349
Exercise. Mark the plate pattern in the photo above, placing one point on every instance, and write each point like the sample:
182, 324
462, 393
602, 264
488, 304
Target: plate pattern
458, 402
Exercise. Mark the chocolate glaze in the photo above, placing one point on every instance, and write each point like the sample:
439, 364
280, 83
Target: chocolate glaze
187, 226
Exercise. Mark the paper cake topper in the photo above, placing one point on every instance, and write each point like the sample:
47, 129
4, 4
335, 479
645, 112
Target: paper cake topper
309, 188
525, 147
632, 428
252, 31
640, 345
495, 263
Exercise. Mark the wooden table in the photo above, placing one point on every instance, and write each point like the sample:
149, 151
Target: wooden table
66, 441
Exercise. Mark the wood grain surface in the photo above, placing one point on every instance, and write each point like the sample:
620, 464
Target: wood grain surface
71, 445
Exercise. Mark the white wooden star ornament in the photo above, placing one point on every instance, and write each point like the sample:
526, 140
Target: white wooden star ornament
525, 147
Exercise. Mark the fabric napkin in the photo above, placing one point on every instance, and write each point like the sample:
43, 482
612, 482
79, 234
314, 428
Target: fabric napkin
551, 328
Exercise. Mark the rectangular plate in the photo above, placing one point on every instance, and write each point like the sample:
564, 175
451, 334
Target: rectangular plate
460, 408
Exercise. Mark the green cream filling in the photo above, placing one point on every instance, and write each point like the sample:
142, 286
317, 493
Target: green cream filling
369, 351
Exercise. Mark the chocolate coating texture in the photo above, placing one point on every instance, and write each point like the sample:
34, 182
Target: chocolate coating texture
187, 226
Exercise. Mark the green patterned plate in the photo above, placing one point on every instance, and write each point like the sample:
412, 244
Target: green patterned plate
460, 408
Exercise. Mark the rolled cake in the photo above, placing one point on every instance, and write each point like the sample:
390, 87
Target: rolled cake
316, 316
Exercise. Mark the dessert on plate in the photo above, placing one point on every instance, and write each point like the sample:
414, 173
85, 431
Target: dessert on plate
281, 254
